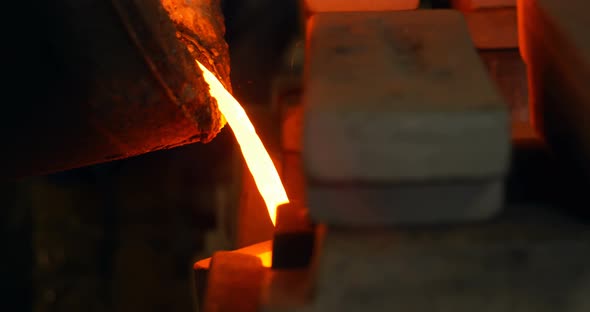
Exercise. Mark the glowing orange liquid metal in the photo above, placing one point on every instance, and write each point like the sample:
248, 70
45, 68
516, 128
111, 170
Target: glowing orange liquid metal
257, 159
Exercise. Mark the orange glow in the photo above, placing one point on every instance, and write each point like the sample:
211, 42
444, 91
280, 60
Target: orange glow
323, 6
261, 250
265, 258
257, 159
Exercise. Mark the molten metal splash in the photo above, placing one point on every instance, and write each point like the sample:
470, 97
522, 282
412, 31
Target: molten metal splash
261, 166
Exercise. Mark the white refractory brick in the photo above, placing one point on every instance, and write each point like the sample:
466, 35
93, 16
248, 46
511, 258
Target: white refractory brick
470, 5
381, 205
322, 6
389, 97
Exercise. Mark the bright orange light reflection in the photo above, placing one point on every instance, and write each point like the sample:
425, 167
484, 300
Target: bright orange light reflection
257, 159
266, 258
261, 250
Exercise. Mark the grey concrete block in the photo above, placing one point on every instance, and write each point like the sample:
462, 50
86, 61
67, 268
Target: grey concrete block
358, 205
469, 269
287, 290
390, 97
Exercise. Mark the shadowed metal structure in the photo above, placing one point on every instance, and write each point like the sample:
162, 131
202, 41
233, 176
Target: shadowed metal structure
112, 79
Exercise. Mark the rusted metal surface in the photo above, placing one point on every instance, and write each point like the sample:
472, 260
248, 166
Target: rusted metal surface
293, 239
556, 48
112, 80
234, 283
508, 72
200, 26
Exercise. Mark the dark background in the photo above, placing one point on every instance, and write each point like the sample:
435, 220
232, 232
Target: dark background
123, 235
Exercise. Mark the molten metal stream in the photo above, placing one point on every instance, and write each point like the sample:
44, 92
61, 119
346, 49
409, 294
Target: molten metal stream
261, 166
